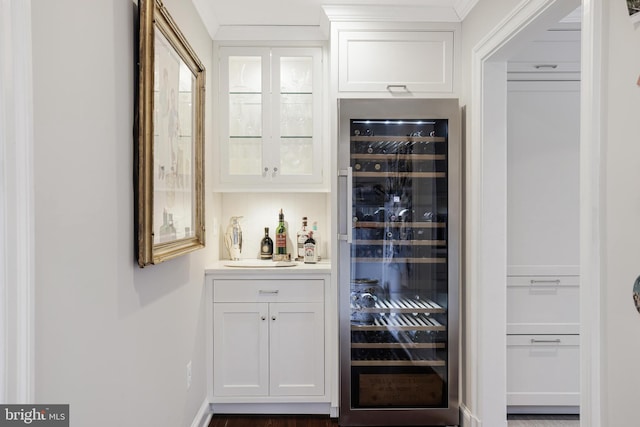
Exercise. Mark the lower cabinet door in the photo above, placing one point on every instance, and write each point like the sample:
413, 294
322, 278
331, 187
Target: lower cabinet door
543, 370
297, 349
240, 352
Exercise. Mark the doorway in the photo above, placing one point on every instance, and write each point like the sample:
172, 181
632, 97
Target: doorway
486, 206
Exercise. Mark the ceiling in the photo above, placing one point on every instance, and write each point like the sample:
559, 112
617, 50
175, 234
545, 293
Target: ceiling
220, 13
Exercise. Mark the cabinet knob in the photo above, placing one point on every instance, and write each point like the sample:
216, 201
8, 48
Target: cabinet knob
264, 173
273, 318
275, 171
264, 317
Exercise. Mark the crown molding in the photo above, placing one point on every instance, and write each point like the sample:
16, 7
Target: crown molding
463, 7
272, 33
207, 15
385, 13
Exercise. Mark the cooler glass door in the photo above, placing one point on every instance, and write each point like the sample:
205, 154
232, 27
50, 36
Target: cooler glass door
397, 329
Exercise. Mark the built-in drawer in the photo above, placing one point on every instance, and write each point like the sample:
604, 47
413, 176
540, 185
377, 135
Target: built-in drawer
242, 290
543, 370
543, 305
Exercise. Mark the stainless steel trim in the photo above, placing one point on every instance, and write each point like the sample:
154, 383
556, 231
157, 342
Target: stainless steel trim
402, 109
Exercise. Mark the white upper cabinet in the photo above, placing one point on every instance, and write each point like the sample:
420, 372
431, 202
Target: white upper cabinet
270, 119
553, 56
395, 61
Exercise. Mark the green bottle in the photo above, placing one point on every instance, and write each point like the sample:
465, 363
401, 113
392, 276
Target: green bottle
281, 236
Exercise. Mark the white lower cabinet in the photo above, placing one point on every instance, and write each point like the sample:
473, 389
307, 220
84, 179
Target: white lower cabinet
543, 343
543, 370
263, 349
296, 337
241, 349
269, 341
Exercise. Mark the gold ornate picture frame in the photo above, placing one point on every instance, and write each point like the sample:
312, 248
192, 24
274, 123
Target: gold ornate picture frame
170, 147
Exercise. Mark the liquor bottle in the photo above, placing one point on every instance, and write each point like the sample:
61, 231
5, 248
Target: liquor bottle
310, 254
303, 234
281, 235
317, 238
266, 245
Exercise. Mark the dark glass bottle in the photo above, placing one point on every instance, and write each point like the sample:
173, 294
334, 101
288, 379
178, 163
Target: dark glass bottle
266, 245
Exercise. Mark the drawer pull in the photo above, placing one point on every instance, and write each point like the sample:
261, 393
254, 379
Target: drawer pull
535, 341
545, 282
403, 87
263, 292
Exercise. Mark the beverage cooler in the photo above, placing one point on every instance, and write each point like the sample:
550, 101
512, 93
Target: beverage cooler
399, 261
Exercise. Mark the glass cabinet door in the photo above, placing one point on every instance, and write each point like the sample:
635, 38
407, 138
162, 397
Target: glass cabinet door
295, 126
245, 115
271, 112
244, 107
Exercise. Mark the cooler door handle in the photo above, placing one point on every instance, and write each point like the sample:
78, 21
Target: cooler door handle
348, 172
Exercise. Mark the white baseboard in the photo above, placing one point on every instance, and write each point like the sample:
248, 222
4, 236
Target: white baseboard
468, 419
203, 416
334, 412
272, 408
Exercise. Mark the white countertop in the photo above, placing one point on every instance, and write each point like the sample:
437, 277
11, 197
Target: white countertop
245, 266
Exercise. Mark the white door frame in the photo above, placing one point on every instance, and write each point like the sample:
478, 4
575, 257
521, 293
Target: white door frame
486, 214
17, 216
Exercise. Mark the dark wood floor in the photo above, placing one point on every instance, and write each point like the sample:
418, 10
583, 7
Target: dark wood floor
325, 421
273, 421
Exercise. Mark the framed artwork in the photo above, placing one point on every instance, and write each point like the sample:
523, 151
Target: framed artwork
170, 147
634, 10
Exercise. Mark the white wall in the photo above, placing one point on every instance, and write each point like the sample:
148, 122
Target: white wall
620, 210
484, 17
112, 340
